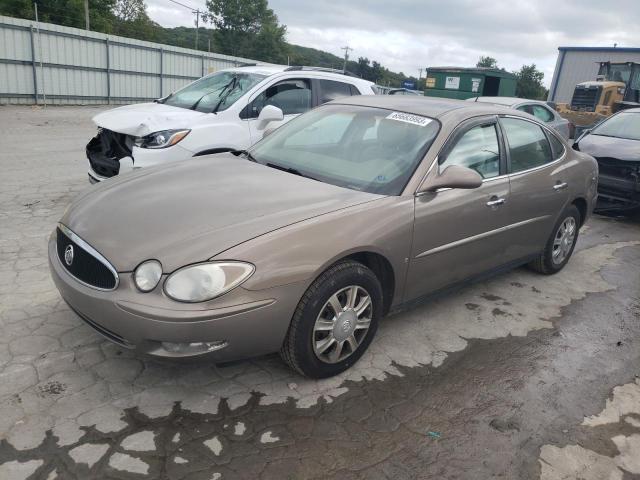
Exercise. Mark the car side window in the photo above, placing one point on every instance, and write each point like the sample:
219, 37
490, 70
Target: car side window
331, 90
528, 144
557, 147
526, 109
542, 113
478, 149
290, 96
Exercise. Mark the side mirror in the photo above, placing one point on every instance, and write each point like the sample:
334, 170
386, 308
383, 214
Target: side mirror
454, 176
269, 114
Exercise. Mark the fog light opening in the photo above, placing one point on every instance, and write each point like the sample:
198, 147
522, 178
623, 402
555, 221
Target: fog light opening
193, 347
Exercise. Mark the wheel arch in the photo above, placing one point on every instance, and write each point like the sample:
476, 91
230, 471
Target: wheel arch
382, 269
582, 206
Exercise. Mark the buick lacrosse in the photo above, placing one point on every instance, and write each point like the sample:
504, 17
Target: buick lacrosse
304, 242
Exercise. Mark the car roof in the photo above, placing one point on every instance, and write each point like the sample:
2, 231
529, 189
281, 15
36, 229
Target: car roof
427, 106
270, 69
509, 101
259, 69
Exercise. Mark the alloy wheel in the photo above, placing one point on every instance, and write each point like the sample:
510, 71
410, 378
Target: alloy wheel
342, 324
563, 241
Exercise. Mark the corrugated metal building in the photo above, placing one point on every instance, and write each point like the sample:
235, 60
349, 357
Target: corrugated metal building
580, 64
73, 66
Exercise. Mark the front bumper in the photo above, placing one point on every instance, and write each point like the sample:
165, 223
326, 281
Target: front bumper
247, 323
618, 193
108, 158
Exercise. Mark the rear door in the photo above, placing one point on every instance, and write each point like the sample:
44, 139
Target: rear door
457, 232
539, 183
328, 90
293, 96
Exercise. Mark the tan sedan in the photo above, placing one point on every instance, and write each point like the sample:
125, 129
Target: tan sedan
303, 243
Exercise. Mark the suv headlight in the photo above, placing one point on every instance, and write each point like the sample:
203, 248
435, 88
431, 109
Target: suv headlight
205, 281
163, 139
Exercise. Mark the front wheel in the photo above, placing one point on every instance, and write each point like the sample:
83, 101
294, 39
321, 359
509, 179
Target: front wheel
561, 243
335, 321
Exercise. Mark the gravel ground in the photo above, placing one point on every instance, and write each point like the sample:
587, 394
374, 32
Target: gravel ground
520, 376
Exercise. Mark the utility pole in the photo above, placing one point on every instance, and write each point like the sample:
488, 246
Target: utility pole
86, 14
420, 74
346, 58
197, 26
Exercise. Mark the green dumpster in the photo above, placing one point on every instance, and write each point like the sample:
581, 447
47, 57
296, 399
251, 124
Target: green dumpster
463, 83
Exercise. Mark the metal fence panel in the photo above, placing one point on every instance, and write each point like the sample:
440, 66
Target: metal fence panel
73, 66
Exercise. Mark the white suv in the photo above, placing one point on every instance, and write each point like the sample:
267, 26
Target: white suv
224, 111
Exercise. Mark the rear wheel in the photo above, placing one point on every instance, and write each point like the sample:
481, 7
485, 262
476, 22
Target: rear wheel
561, 243
335, 321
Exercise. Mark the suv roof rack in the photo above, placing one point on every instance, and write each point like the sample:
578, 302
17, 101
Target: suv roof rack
320, 69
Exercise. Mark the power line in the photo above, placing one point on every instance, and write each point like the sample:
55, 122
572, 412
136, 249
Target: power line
194, 10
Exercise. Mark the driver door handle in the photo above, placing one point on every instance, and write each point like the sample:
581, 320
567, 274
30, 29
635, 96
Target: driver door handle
560, 186
495, 201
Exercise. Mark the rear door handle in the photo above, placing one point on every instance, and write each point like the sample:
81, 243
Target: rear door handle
495, 201
560, 186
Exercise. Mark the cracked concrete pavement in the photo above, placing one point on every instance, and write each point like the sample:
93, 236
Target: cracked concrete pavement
510, 374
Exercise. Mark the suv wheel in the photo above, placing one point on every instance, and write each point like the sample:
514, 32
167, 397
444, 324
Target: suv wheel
335, 321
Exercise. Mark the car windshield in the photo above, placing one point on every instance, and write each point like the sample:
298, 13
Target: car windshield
623, 125
214, 92
362, 148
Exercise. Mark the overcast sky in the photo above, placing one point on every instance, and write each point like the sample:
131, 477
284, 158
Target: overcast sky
405, 35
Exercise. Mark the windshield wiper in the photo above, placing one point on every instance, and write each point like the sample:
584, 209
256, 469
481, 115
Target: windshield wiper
295, 171
246, 153
229, 87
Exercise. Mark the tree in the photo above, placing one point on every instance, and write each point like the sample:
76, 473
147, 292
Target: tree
130, 10
487, 62
530, 83
247, 28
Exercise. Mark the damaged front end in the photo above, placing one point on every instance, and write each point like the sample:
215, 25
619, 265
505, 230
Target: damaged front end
618, 185
105, 151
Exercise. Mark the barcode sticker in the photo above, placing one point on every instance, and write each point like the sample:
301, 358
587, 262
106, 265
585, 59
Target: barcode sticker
409, 118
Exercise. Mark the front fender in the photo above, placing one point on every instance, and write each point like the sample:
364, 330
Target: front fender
302, 251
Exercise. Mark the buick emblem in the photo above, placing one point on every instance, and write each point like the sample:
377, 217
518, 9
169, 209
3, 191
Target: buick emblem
68, 255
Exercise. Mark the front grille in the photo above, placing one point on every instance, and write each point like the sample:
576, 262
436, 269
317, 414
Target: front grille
84, 265
585, 98
105, 150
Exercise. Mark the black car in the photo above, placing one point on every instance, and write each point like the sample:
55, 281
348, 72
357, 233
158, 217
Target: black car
615, 144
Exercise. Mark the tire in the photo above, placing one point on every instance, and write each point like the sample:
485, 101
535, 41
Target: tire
313, 323
548, 263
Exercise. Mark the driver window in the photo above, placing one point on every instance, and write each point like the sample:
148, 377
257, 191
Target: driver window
290, 96
478, 150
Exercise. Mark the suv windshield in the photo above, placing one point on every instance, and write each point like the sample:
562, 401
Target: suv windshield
214, 92
623, 125
362, 148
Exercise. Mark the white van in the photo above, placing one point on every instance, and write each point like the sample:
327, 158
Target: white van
224, 111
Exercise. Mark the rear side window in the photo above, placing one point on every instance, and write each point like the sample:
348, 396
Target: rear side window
557, 147
331, 90
477, 149
290, 96
542, 113
528, 144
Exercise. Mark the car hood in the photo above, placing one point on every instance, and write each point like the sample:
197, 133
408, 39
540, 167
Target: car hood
187, 212
144, 118
610, 147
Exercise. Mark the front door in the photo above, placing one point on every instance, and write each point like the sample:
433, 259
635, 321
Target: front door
457, 232
292, 96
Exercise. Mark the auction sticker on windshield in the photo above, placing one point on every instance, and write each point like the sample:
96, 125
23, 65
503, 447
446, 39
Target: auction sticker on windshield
409, 118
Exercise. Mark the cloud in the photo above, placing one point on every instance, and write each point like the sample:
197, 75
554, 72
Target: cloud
405, 35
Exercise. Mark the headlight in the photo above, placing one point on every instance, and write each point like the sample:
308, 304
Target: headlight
204, 281
147, 275
163, 139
